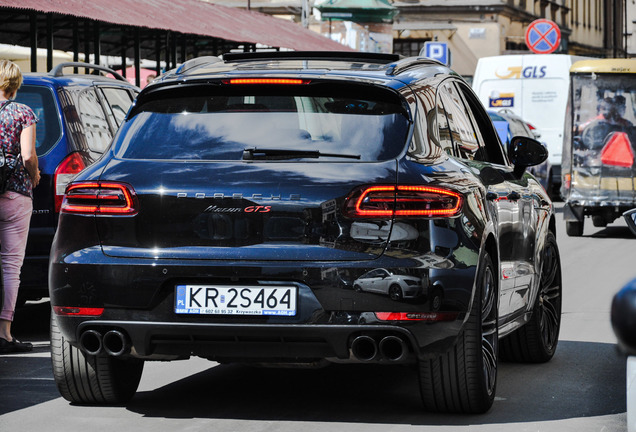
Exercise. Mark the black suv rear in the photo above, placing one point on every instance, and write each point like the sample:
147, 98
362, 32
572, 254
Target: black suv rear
306, 208
78, 116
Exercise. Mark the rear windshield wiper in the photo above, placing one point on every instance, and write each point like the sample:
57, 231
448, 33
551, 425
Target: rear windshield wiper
281, 154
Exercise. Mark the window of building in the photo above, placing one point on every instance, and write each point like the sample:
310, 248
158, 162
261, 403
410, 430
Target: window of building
408, 47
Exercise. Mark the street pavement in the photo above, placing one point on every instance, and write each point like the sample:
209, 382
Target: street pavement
582, 389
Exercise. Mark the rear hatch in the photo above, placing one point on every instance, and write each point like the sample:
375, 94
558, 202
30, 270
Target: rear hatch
256, 172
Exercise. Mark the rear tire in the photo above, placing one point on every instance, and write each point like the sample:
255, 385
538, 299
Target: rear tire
85, 379
537, 340
574, 228
464, 379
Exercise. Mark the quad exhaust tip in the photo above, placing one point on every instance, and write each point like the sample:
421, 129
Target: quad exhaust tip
91, 342
116, 343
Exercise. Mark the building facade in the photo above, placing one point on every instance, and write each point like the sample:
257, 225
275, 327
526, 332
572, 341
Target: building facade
482, 28
479, 28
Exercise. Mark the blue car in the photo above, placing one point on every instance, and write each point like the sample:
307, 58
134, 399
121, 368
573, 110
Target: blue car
78, 116
508, 124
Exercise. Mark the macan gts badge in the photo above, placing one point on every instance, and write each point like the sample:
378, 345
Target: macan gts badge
304, 209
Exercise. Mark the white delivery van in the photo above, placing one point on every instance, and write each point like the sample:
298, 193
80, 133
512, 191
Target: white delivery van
535, 87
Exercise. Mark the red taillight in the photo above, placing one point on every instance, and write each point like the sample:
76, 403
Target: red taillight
77, 311
100, 198
618, 151
285, 81
402, 201
416, 316
72, 165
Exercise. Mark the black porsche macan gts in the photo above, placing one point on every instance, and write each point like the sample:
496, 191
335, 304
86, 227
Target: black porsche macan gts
244, 198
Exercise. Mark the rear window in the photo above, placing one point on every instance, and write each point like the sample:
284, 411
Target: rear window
220, 122
48, 129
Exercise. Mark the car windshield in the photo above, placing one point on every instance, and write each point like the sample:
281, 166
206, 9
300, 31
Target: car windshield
603, 104
217, 123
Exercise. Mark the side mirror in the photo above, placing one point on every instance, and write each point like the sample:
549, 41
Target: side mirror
524, 152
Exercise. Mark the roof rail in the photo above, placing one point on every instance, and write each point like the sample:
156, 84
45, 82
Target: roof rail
58, 70
365, 57
407, 63
197, 61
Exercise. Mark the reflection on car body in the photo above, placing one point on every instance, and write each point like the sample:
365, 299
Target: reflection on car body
396, 286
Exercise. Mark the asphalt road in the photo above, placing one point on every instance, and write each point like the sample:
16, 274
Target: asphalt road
581, 389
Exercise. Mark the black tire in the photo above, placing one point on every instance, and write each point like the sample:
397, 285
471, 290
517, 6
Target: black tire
395, 292
85, 379
574, 228
357, 288
536, 341
464, 379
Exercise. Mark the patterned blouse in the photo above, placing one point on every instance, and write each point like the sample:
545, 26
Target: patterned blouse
14, 118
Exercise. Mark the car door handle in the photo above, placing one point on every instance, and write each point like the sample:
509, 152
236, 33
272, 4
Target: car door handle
514, 196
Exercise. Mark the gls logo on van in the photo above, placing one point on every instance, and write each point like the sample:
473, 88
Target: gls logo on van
501, 100
527, 72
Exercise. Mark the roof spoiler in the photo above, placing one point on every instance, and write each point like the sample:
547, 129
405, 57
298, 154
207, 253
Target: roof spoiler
58, 70
365, 57
197, 61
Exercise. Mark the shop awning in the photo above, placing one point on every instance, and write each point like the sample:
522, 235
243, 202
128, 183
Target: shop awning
360, 11
193, 17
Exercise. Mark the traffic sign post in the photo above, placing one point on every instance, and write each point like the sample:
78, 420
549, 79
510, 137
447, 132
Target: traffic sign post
437, 51
543, 36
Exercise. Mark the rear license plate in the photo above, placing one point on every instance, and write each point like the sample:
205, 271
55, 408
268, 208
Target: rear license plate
277, 300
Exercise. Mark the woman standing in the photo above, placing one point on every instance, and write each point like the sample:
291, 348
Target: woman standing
17, 139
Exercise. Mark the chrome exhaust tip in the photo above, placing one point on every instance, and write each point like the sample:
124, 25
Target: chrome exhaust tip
116, 343
91, 342
393, 348
364, 348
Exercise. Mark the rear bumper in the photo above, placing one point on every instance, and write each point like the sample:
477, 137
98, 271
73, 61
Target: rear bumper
265, 343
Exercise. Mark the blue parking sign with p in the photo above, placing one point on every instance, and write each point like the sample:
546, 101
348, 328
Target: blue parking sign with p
437, 51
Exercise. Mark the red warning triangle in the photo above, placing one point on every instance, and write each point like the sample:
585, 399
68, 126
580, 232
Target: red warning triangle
618, 151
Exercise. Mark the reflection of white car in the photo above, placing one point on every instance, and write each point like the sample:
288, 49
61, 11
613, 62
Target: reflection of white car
395, 286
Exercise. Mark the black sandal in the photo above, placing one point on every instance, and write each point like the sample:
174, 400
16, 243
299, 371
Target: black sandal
15, 346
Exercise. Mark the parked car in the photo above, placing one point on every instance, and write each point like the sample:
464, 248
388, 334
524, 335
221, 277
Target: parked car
623, 319
508, 125
240, 192
78, 116
395, 285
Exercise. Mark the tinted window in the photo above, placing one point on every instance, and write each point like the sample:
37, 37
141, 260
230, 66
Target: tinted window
93, 119
425, 145
48, 129
441, 119
462, 133
118, 103
219, 123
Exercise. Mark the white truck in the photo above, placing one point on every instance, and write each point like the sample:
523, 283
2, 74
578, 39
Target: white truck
535, 87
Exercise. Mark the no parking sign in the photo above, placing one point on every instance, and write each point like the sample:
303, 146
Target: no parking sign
543, 36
